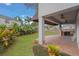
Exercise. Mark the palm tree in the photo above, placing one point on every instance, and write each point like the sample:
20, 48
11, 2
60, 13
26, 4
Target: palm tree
17, 18
27, 20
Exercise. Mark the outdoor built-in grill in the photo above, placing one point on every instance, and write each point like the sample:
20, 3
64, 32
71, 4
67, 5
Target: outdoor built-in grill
68, 30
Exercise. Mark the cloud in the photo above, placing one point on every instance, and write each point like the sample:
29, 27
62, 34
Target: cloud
25, 16
31, 16
7, 4
22, 15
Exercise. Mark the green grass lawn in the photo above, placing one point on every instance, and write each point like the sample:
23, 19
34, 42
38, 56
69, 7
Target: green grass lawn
23, 45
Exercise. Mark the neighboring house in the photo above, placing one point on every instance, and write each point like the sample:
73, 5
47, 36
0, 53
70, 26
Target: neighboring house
58, 14
8, 21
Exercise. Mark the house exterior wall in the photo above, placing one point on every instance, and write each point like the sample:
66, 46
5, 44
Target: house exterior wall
8, 22
2, 21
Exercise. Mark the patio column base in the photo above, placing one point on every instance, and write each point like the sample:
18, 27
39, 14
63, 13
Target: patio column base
78, 42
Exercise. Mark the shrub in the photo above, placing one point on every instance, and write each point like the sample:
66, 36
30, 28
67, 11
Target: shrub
6, 37
2, 26
53, 50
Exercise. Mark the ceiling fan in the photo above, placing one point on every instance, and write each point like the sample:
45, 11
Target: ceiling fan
62, 16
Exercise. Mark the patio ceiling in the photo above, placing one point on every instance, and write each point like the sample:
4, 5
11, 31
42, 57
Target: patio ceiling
68, 17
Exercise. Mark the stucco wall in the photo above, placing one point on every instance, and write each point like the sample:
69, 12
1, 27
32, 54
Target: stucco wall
2, 21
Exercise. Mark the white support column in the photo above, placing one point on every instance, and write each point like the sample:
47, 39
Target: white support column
74, 37
41, 30
61, 32
60, 27
78, 29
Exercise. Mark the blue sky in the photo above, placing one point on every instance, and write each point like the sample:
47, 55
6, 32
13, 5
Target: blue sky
16, 9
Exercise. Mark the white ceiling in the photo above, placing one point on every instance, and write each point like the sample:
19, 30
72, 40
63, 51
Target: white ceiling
48, 8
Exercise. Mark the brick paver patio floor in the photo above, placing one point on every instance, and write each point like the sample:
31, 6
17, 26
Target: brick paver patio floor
66, 45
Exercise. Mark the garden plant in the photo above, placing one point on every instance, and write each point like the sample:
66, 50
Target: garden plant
9, 33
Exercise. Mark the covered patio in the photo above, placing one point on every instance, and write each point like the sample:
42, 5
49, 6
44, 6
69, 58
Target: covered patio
60, 15
66, 45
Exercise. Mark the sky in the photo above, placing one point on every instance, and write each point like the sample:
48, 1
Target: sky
16, 9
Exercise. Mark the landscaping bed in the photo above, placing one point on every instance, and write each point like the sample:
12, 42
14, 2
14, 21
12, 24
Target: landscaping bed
23, 45
44, 50
8, 34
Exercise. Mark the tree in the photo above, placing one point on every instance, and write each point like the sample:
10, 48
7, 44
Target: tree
17, 18
27, 20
